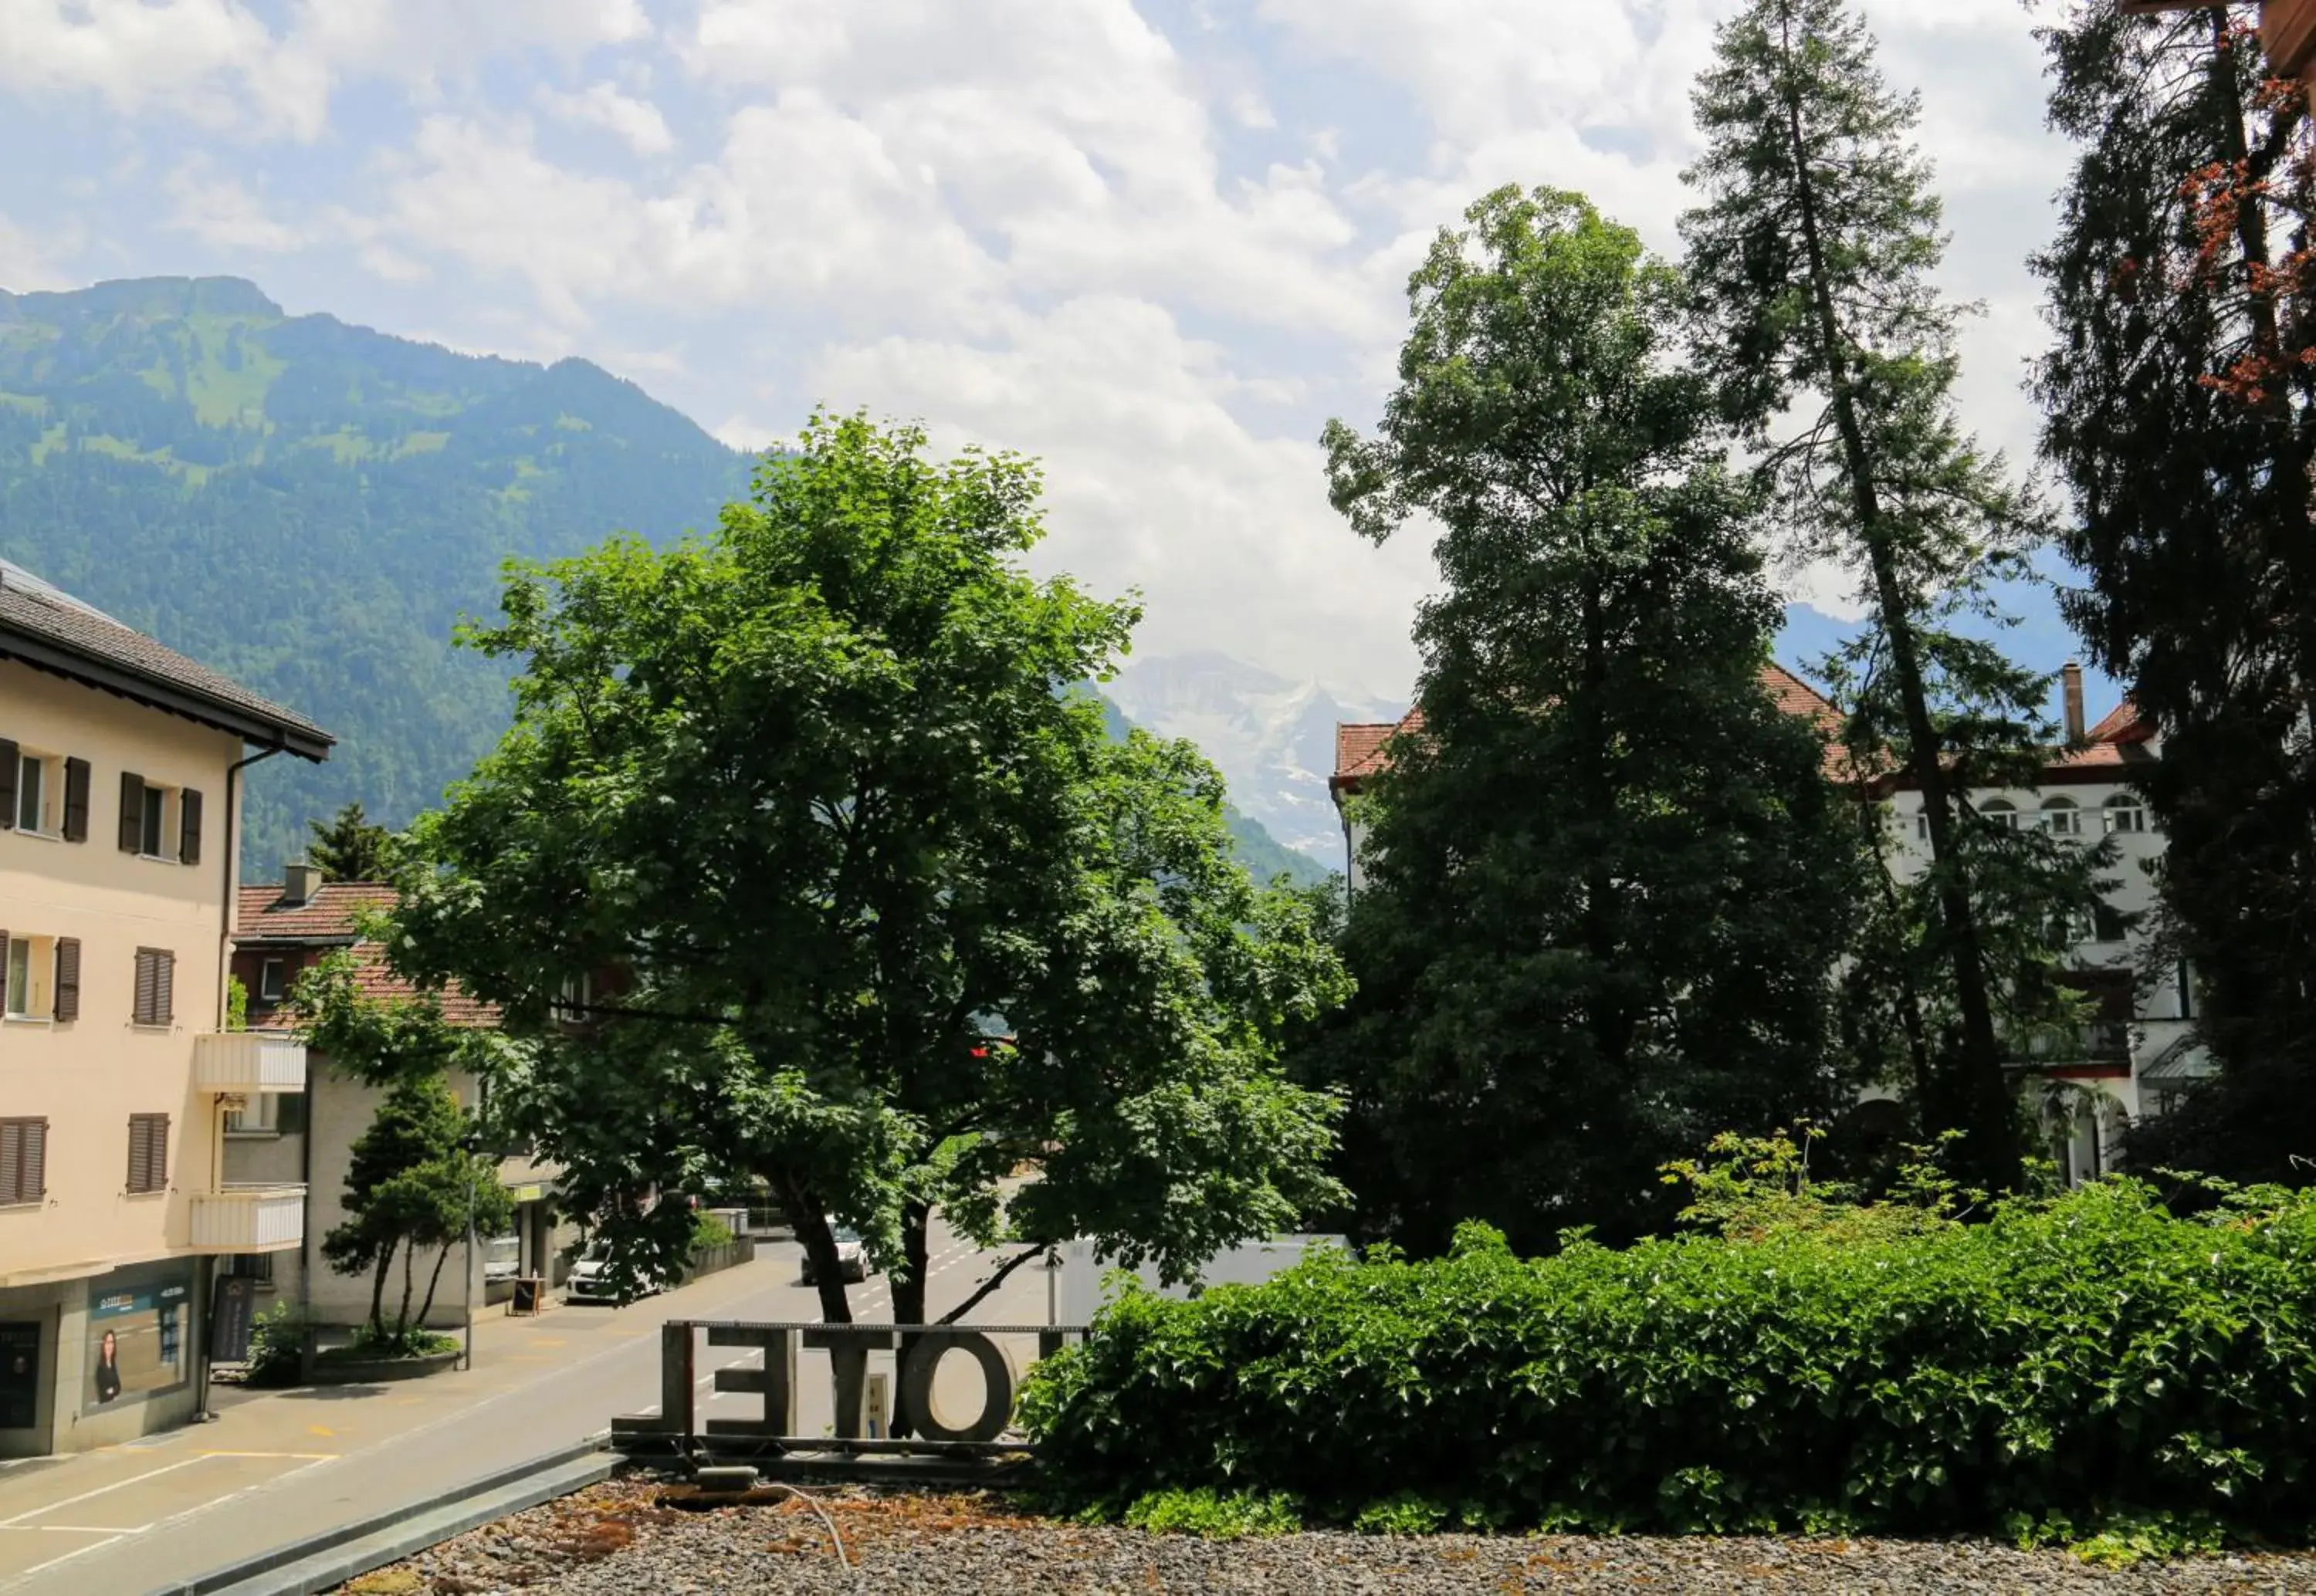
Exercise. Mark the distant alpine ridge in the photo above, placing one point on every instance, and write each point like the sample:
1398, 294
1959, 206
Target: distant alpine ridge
1273, 737
311, 506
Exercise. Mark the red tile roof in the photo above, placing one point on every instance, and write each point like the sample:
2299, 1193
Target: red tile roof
328, 920
1360, 745
328, 916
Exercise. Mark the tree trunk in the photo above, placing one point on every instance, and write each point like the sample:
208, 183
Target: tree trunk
908, 1284
433, 1281
378, 1289
809, 1221
1972, 1094
402, 1319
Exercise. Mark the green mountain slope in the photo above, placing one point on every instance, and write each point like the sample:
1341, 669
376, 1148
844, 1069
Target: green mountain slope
311, 506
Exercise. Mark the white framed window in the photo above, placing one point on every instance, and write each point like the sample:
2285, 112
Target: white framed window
2123, 814
1921, 825
39, 794
155, 841
2060, 817
31, 970
260, 1114
272, 979
2000, 812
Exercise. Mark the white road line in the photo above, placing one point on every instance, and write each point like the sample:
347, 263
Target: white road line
94, 1546
101, 1490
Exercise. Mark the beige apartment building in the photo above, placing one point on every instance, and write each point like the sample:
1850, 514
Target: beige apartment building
120, 782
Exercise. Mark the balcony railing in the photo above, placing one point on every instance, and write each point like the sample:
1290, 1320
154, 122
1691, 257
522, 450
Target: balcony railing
249, 1219
244, 1062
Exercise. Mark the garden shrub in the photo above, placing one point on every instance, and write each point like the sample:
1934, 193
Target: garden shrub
2088, 1361
1213, 1514
276, 1338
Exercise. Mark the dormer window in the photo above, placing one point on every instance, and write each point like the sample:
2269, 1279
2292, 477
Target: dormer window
2123, 813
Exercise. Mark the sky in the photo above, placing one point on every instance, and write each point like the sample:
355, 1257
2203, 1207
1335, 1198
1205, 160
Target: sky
1156, 244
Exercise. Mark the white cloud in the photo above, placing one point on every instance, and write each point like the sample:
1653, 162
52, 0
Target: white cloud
637, 123
1156, 259
220, 63
1155, 484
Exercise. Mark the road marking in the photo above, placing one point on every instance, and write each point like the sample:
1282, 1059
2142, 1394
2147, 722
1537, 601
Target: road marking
319, 1430
83, 1528
306, 1457
94, 1546
101, 1490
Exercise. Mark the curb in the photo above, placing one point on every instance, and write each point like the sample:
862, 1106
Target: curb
331, 1556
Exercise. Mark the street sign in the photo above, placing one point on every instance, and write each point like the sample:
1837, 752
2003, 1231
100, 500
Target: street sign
230, 1318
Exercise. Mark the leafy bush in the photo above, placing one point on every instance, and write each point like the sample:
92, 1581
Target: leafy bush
372, 1342
2090, 1364
1216, 1516
275, 1338
708, 1231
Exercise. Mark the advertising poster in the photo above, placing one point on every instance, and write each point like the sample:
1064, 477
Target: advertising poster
137, 1332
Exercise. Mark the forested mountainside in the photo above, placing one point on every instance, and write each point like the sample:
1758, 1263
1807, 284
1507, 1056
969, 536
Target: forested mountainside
311, 506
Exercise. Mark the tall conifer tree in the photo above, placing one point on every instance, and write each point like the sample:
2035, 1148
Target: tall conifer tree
1813, 253
2180, 398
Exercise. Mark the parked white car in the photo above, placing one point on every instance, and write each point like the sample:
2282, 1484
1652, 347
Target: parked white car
589, 1283
851, 1257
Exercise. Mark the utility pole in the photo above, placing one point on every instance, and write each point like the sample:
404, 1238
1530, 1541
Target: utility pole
472, 1144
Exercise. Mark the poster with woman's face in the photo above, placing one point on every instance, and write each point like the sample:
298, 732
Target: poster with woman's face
137, 1334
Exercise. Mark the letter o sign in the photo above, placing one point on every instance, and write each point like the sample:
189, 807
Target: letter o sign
924, 1357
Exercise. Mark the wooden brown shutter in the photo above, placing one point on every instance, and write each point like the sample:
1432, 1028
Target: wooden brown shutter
4, 972
23, 1160
188, 833
132, 812
68, 977
9, 767
165, 990
148, 1152
149, 968
76, 799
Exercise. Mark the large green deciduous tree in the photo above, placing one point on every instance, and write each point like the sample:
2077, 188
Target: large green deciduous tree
1811, 255
2179, 393
817, 795
1608, 882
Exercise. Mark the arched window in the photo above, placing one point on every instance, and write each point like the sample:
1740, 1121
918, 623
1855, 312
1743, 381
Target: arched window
2123, 814
2061, 818
2000, 811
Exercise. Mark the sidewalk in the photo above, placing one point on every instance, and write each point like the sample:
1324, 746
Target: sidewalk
279, 1464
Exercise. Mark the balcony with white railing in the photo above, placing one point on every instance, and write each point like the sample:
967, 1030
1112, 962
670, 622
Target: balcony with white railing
244, 1063
249, 1219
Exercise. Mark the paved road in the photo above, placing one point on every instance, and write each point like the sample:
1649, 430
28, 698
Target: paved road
277, 1466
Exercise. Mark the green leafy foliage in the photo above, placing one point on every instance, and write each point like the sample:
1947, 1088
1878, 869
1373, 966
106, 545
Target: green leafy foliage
1213, 1515
1607, 886
349, 847
708, 1231
412, 1182
815, 797
276, 1339
2084, 1367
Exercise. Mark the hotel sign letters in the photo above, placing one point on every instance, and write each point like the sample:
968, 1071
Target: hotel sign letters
920, 1350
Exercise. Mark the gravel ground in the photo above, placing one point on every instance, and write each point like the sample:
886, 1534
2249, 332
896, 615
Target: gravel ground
615, 1540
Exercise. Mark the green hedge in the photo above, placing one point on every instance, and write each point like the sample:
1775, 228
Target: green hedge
2080, 1360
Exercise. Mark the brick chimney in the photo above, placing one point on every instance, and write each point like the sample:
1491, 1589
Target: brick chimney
2071, 675
299, 882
